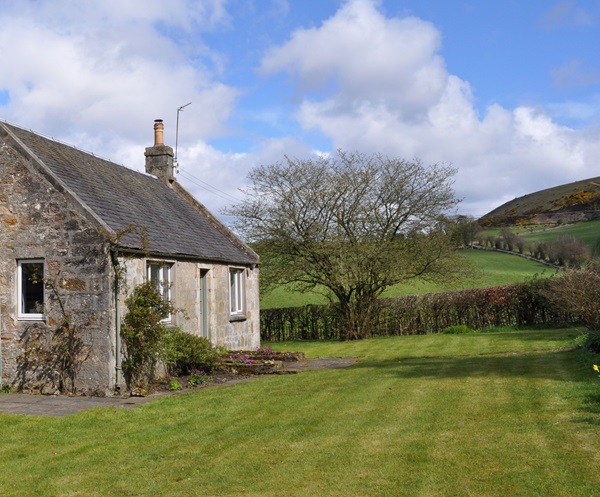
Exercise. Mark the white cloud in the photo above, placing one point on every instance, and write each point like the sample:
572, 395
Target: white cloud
96, 74
375, 83
108, 68
216, 178
578, 110
359, 52
567, 13
70, 16
575, 74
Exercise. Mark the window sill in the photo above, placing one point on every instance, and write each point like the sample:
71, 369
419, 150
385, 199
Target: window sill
33, 317
237, 317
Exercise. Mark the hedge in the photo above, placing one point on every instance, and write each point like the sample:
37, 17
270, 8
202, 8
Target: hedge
512, 305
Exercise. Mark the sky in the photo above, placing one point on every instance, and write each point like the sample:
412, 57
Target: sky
508, 92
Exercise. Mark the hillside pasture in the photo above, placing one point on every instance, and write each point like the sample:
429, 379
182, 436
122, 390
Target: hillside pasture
576, 196
587, 232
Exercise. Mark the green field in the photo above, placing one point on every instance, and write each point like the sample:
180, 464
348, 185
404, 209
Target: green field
495, 414
587, 231
494, 269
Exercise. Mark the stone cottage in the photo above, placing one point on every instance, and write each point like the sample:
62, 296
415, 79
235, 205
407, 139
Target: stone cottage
78, 232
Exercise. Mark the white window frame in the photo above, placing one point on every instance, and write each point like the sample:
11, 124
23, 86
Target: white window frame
21, 311
237, 291
164, 282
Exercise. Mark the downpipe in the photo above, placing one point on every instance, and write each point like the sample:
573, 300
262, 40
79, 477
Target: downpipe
1, 331
114, 254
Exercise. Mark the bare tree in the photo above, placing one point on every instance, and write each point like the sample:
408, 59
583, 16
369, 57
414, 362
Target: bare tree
349, 225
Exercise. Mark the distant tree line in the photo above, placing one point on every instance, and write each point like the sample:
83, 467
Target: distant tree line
566, 251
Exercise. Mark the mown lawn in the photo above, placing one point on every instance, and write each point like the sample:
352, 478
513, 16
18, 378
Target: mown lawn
510, 414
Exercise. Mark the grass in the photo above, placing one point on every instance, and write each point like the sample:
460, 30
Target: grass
494, 269
493, 341
587, 232
512, 414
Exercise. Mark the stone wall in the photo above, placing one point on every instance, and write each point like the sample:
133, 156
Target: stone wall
233, 332
239, 333
37, 221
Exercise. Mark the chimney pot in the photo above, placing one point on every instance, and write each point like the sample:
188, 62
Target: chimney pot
159, 132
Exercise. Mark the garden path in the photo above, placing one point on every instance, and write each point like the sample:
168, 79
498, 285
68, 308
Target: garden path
63, 405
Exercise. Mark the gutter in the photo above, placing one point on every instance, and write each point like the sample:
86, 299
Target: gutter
187, 257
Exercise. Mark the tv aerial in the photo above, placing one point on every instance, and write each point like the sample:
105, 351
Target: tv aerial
180, 109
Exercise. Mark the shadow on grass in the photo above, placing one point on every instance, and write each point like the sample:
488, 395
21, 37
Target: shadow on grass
543, 334
590, 410
532, 365
592, 403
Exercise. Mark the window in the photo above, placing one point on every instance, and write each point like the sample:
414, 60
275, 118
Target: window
160, 274
236, 291
30, 283
203, 305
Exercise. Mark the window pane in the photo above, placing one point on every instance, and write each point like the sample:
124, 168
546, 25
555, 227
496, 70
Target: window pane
32, 287
232, 291
154, 275
160, 275
236, 291
165, 283
239, 291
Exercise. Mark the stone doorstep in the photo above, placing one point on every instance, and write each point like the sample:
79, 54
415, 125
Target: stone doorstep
255, 367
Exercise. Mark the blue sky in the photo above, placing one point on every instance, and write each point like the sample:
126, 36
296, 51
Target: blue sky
507, 92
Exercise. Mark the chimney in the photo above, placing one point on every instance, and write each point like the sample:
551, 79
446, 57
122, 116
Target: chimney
159, 158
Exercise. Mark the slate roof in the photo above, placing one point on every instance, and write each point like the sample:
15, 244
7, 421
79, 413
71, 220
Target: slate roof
121, 197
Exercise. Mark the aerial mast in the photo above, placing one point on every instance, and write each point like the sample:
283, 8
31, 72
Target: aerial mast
180, 109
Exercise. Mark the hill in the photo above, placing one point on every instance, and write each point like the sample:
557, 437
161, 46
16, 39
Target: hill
572, 202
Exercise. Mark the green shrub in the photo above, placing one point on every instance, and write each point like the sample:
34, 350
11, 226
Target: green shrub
174, 386
457, 330
185, 353
197, 378
143, 332
590, 341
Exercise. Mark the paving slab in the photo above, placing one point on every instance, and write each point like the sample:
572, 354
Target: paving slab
61, 405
